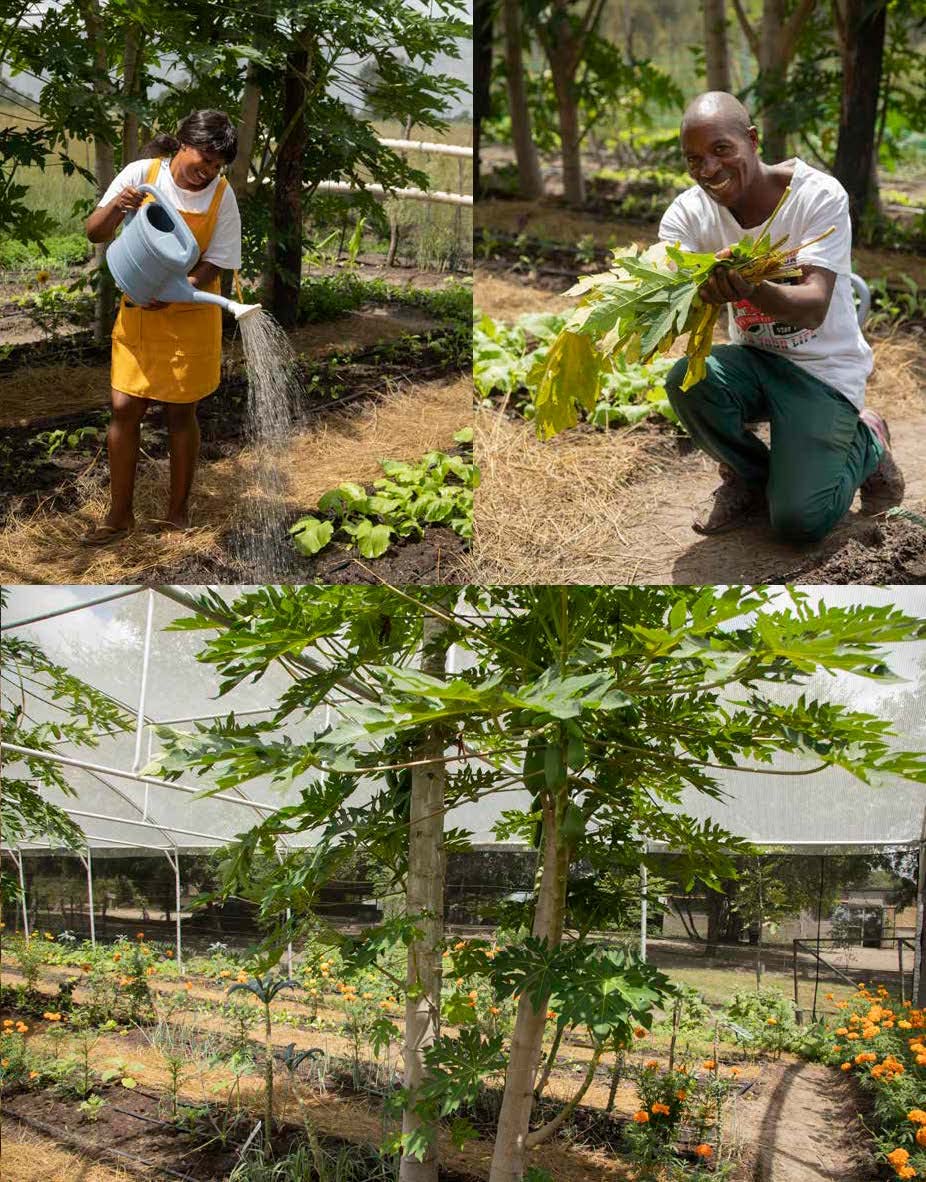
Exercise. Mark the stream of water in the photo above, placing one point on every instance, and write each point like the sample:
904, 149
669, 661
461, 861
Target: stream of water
274, 386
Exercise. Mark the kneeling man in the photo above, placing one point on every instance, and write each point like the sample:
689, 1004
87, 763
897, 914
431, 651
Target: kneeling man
798, 361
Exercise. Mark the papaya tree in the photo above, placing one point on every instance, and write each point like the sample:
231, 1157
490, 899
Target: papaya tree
605, 707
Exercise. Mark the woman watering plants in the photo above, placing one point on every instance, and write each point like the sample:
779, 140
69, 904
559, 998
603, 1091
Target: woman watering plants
169, 352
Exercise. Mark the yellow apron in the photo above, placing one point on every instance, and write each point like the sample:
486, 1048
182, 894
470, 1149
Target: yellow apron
172, 354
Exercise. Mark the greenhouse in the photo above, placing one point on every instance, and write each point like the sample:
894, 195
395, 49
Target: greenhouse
261, 734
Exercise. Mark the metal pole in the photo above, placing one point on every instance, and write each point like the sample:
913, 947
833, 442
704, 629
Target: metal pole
146, 654
87, 862
22, 887
175, 864
644, 880
289, 947
74, 607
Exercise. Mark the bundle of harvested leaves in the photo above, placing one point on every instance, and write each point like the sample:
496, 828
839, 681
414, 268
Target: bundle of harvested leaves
638, 309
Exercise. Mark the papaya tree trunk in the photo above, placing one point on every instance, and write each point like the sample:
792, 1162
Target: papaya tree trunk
425, 901
268, 1081
508, 1159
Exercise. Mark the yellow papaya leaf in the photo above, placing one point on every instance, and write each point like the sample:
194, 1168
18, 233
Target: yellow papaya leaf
571, 374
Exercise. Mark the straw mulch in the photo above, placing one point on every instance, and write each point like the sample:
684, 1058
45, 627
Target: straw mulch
552, 512
29, 1157
45, 547
591, 506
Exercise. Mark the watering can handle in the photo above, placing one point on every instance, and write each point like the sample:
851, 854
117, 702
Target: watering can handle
158, 196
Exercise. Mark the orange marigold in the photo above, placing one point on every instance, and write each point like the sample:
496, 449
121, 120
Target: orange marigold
660, 1109
704, 1150
898, 1157
641, 1117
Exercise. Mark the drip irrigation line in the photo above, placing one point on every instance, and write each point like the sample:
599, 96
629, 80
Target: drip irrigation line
57, 1135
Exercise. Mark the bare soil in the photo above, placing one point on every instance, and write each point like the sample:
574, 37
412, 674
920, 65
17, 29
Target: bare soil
800, 1123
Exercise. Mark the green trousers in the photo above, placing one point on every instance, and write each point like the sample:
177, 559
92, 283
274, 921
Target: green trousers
820, 452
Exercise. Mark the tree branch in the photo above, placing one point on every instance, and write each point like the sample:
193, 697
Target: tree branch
546, 1131
749, 32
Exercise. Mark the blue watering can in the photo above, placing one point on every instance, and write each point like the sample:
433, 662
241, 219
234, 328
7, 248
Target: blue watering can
151, 258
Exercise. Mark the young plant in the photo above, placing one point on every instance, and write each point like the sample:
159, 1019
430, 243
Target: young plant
265, 989
438, 490
92, 1107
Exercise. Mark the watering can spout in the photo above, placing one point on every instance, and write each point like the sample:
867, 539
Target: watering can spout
239, 311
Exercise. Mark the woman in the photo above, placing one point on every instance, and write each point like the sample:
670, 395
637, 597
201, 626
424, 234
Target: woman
169, 352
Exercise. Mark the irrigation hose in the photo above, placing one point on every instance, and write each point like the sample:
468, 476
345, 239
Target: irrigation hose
62, 1138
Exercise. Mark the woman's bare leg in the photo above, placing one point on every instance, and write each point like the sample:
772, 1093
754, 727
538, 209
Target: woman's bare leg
183, 437
123, 440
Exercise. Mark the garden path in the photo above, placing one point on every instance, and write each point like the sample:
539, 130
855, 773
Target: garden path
800, 1123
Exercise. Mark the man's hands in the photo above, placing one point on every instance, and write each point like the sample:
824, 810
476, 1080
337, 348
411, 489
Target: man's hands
725, 285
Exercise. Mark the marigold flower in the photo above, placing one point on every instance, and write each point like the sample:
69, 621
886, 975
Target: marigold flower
48, 935
169, 954
139, 935
150, 970
917, 1115
841, 1030
551, 1014
704, 1150
709, 1064
188, 985
22, 1027
52, 1016
494, 1010
846, 1066
651, 1064
117, 956
641, 1117
906, 1172
771, 1021
660, 1109
33, 1075
734, 1071
921, 1137
681, 1095
7, 1021
4, 1062
639, 1032
898, 1157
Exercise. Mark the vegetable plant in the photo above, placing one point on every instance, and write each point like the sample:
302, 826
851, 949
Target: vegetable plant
437, 490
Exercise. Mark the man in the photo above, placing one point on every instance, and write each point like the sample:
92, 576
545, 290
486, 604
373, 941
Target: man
799, 360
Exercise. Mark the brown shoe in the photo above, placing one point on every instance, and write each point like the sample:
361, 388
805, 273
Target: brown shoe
734, 504
884, 488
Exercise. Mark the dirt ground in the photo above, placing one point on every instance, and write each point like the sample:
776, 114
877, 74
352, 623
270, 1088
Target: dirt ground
789, 1121
616, 507
801, 1123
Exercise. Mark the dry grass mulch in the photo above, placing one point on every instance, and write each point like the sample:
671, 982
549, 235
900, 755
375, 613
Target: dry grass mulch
45, 547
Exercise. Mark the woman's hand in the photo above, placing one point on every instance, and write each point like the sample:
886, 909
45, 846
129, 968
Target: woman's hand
726, 285
130, 198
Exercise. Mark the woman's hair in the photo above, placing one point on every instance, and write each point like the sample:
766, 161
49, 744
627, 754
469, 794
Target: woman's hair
212, 131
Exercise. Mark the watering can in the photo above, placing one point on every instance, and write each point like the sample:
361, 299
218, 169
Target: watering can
151, 258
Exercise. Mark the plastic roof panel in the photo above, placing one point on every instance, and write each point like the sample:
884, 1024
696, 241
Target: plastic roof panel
104, 645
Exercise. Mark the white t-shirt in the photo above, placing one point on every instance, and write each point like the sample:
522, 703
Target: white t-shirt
225, 248
836, 352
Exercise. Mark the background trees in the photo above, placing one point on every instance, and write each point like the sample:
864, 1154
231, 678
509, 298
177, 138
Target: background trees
289, 73
840, 82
